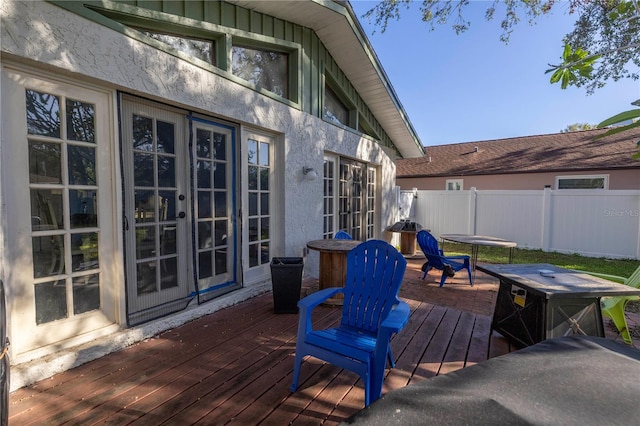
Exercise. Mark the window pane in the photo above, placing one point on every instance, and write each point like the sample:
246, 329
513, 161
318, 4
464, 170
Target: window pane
204, 204
334, 109
80, 121
166, 171
219, 146
264, 179
168, 273
146, 277
168, 240
51, 301
145, 242
220, 203
581, 183
204, 235
264, 203
43, 114
145, 206
166, 137
253, 203
253, 178
84, 251
142, 133
205, 266
220, 175
204, 174
221, 262
48, 256
203, 143
221, 233
264, 154
201, 49
252, 154
143, 169
86, 293
45, 164
167, 205
46, 209
262, 68
82, 165
83, 208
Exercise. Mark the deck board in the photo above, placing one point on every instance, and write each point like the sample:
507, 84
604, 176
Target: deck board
235, 366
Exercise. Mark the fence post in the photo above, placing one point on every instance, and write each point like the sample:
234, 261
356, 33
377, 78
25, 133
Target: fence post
473, 209
547, 214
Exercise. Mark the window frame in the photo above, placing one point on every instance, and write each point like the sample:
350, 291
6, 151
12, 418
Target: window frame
454, 182
604, 177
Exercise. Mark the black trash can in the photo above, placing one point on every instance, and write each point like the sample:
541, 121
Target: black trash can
286, 281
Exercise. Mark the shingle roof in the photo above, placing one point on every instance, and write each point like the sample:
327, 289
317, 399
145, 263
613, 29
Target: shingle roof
542, 153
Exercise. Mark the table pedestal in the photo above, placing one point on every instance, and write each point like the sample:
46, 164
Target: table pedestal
333, 270
408, 243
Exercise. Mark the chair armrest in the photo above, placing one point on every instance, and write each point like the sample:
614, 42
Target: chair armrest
461, 257
397, 318
314, 299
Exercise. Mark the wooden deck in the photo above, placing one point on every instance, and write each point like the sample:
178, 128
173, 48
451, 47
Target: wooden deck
234, 366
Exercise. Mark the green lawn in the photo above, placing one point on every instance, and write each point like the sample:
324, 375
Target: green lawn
620, 267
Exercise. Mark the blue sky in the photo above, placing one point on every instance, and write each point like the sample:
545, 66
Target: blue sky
473, 87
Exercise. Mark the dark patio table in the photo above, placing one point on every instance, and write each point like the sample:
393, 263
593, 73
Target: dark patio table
576, 380
541, 301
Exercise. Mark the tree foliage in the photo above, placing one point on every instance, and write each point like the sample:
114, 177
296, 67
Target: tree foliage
576, 127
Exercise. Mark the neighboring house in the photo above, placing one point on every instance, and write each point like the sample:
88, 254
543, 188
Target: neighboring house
158, 154
556, 161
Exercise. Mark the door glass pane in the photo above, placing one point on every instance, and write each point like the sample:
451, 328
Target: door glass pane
48, 256
142, 133
205, 267
203, 174
45, 165
205, 237
145, 242
204, 204
82, 165
84, 251
220, 203
86, 293
166, 171
220, 146
46, 209
51, 301
203, 143
220, 175
80, 121
83, 208
166, 137
143, 170
168, 243
221, 237
168, 273
146, 277
43, 114
145, 206
166, 206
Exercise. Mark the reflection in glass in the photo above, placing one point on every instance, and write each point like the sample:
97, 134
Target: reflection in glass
145, 242
84, 251
264, 154
48, 256
220, 203
221, 232
169, 273
204, 174
45, 165
221, 262
146, 278
143, 169
265, 253
264, 179
219, 146
220, 175
46, 209
204, 235
264, 228
80, 121
86, 293
253, 178
204, 204
201, 49
82, 165
167, 205
262, 68
83, 208
252, 151
203, 143
43, 114
205, 266
145, 206
142, 133
264, 203
51, 301
166, 171
253, 230
253, 255
166, 137
253, 203
168, 240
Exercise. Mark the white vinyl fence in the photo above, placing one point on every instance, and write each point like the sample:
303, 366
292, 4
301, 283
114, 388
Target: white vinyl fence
595, 223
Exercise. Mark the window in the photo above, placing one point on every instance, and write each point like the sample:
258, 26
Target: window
583, 182
259, 177
329, 198
454, 185
334, 110
265, 69
201, 49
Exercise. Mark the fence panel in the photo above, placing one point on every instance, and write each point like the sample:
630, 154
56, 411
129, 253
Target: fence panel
593, 223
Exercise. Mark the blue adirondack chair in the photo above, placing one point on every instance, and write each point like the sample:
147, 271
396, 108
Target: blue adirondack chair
371, 315
342, 235
437, 260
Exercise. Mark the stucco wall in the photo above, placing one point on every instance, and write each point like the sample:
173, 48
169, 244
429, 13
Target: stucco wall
89, 52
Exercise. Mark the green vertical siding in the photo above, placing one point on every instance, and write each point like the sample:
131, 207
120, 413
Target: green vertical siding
315, 59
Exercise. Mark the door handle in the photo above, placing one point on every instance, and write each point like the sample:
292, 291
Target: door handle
182, 215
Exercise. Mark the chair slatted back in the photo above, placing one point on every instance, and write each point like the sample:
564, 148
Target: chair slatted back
634, 279
375, 270
342, 235
429, 246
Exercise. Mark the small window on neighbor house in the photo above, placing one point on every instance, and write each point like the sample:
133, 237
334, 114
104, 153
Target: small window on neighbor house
582, 182
454, 185
334, 110
265, 69
201, 49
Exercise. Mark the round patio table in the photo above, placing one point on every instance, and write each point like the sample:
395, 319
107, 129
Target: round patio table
333, 264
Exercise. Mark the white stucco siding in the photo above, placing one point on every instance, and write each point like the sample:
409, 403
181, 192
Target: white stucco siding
88, 50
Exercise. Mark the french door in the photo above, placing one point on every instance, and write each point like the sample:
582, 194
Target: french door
179, 208
351, 198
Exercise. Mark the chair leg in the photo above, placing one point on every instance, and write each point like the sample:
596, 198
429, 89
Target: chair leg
296, 371
469, 272
617, 316
443, 278
392, 362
